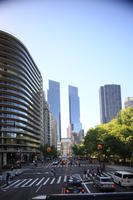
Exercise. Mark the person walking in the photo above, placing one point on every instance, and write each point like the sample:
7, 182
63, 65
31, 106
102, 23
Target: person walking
84, 174
7, 178
54, 171
88, 173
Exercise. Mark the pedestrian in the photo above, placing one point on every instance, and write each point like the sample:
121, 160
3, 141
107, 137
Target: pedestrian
88, 172
7, 178
54, 171
98, 171
1, 177
92, 172
84, 175
11, 174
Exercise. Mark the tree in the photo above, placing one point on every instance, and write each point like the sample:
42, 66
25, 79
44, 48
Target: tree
115, 136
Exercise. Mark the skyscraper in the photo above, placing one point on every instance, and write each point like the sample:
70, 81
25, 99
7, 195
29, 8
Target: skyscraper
110, 102
128, 102
74, 109
54, 102
21, 116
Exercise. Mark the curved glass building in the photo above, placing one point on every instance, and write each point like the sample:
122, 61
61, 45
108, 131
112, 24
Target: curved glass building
21, 131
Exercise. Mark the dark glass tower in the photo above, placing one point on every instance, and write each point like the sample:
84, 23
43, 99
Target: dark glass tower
74, 109
54, 102
110, 102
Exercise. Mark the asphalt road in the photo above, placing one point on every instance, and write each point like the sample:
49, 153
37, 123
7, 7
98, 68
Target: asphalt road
39, 181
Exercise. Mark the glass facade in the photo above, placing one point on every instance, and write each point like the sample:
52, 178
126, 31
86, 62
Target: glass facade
110, 102
54, 102
74, 109
21, 127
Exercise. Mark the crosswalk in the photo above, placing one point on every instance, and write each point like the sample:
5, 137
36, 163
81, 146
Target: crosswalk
35, 182
107, 173
59, 165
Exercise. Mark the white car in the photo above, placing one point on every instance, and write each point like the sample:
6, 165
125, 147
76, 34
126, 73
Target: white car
104, 183
123, 178
55, 163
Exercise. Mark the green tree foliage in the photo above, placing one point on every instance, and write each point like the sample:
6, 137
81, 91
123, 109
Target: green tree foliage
116, 137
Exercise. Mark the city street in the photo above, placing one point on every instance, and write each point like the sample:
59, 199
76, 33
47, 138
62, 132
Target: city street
39, 181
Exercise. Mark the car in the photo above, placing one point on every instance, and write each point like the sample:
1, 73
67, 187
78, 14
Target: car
73, 185
55, 162
123, 178
104, 183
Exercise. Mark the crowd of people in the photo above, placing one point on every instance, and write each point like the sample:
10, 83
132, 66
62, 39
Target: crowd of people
92, 172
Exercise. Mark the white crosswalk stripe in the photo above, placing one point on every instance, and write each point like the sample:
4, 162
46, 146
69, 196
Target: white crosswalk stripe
65, 178
33, 182
20, 183
52, 181
11, 184
59, 180
110, 173
46, 181
40, 181
27, 182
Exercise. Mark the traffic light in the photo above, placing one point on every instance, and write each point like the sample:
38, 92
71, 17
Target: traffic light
49, 149
99, 146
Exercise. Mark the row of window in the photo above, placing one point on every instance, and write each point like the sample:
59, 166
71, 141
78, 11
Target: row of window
17, 136
24, 64
32, 101
11, 97
21, 75
19, 89
30, 125
17, 131
17, 142
6, 104
20, 78
25, 119
19, 66
10, 48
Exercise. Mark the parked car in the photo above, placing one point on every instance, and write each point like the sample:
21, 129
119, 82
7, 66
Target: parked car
123, 178
104, 183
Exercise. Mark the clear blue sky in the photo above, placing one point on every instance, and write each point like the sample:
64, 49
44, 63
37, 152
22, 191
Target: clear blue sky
82, 43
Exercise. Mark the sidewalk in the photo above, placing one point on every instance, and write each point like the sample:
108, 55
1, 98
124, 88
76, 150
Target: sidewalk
120, 168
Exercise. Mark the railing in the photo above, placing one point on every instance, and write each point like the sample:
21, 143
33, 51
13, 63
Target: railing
92, 196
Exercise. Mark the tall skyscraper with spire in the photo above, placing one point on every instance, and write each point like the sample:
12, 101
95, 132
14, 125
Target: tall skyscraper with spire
54, 103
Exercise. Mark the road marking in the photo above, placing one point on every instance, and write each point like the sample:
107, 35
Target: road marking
20, 183
65, 178
40, 181
85, 186
52, 181
38, 188
12, 184
107, 173
26, 182
89, 183
33, 182
59, 180
46, 181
